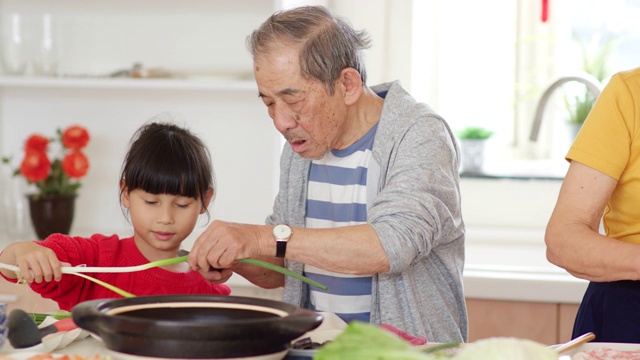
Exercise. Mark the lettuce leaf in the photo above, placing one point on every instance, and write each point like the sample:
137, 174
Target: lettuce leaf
361, 340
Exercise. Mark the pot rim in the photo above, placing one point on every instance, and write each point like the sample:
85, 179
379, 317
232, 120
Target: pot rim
118, 308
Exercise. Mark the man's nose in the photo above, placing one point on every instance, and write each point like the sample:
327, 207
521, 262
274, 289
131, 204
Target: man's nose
283, 119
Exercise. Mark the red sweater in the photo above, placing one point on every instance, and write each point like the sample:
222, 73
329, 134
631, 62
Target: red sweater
100, 250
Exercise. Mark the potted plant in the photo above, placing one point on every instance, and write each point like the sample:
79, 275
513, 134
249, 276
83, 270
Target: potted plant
472, 144
55, 179
578, 107
579, 102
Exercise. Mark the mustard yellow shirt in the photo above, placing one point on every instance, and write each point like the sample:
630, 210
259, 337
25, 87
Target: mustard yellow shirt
609, 141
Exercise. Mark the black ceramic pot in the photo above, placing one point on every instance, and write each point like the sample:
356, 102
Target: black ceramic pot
195, 326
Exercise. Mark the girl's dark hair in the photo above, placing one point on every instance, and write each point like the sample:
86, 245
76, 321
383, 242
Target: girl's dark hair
164, 158
328, 43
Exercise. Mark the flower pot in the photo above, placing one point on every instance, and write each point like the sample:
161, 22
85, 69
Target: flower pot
472, 155
51, 214
572, 131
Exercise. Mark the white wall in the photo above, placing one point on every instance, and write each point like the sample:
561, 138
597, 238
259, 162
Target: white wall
389, 23
234, 125
201, 38
98, 38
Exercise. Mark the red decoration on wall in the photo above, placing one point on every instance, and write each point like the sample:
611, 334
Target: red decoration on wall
545, 10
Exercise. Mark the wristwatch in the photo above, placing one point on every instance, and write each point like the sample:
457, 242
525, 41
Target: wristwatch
281, 233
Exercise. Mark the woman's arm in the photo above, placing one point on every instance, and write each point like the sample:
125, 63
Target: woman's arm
572, 235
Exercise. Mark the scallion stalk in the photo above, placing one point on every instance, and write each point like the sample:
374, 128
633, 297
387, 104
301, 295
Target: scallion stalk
284, 271
58, 315
115, 289
265, 265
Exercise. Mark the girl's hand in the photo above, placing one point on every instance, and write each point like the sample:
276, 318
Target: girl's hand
37, 263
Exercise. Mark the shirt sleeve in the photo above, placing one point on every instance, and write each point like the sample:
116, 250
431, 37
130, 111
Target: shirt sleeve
605, 139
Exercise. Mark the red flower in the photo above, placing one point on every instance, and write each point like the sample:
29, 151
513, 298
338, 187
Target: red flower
75, 164
75, 137
60, 173
37, 143
35, 166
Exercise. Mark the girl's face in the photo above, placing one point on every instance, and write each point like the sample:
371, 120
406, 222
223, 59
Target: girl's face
161, 221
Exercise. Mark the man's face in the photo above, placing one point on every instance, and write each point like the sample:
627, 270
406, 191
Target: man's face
310, 119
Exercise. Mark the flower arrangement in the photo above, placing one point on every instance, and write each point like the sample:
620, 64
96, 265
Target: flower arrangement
60, 176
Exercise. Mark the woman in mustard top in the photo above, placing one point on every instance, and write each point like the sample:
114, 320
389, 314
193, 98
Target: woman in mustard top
603, 185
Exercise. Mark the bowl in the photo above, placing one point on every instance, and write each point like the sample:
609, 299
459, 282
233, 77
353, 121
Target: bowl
195, 326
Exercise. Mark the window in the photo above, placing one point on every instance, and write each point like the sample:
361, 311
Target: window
486, 63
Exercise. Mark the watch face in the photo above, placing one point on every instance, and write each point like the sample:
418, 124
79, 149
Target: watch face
281, 231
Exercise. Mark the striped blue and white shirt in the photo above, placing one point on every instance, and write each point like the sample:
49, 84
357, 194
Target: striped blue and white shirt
337, 197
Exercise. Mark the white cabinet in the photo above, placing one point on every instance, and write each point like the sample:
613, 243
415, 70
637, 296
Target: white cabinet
201, 39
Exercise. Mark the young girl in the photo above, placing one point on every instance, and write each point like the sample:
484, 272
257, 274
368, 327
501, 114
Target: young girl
166, 183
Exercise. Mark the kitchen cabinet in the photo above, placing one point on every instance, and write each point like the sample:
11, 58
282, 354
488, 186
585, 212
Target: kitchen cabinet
547, 323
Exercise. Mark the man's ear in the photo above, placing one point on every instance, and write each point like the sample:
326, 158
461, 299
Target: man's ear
351, 85
207, 200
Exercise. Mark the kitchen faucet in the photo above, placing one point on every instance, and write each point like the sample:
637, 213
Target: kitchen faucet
593, 85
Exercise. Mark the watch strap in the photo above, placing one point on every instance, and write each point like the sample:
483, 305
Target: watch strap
281, 248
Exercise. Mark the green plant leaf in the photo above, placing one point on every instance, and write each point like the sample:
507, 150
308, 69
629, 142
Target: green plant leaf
475, 132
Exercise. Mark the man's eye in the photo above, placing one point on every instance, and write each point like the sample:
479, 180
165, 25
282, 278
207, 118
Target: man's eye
150, 202
296, 105
182, 206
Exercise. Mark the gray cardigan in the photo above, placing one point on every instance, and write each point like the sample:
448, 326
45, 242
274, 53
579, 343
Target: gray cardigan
414, 206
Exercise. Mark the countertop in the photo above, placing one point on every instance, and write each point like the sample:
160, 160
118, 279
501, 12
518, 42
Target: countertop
92, 349
88, 346
511, 264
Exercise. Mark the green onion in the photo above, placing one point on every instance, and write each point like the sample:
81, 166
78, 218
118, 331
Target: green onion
265, 265
284, 271
121, 269
115, 289
124, 293
58, 315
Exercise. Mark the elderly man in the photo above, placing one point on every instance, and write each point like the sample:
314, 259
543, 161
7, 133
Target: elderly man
369, 200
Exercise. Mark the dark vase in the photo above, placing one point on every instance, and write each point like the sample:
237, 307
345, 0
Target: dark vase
51, 214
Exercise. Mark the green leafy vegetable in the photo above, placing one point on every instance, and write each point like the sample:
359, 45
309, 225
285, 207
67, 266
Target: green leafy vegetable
361, 340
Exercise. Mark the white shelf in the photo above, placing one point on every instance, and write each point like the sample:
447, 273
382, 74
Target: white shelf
204, 84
